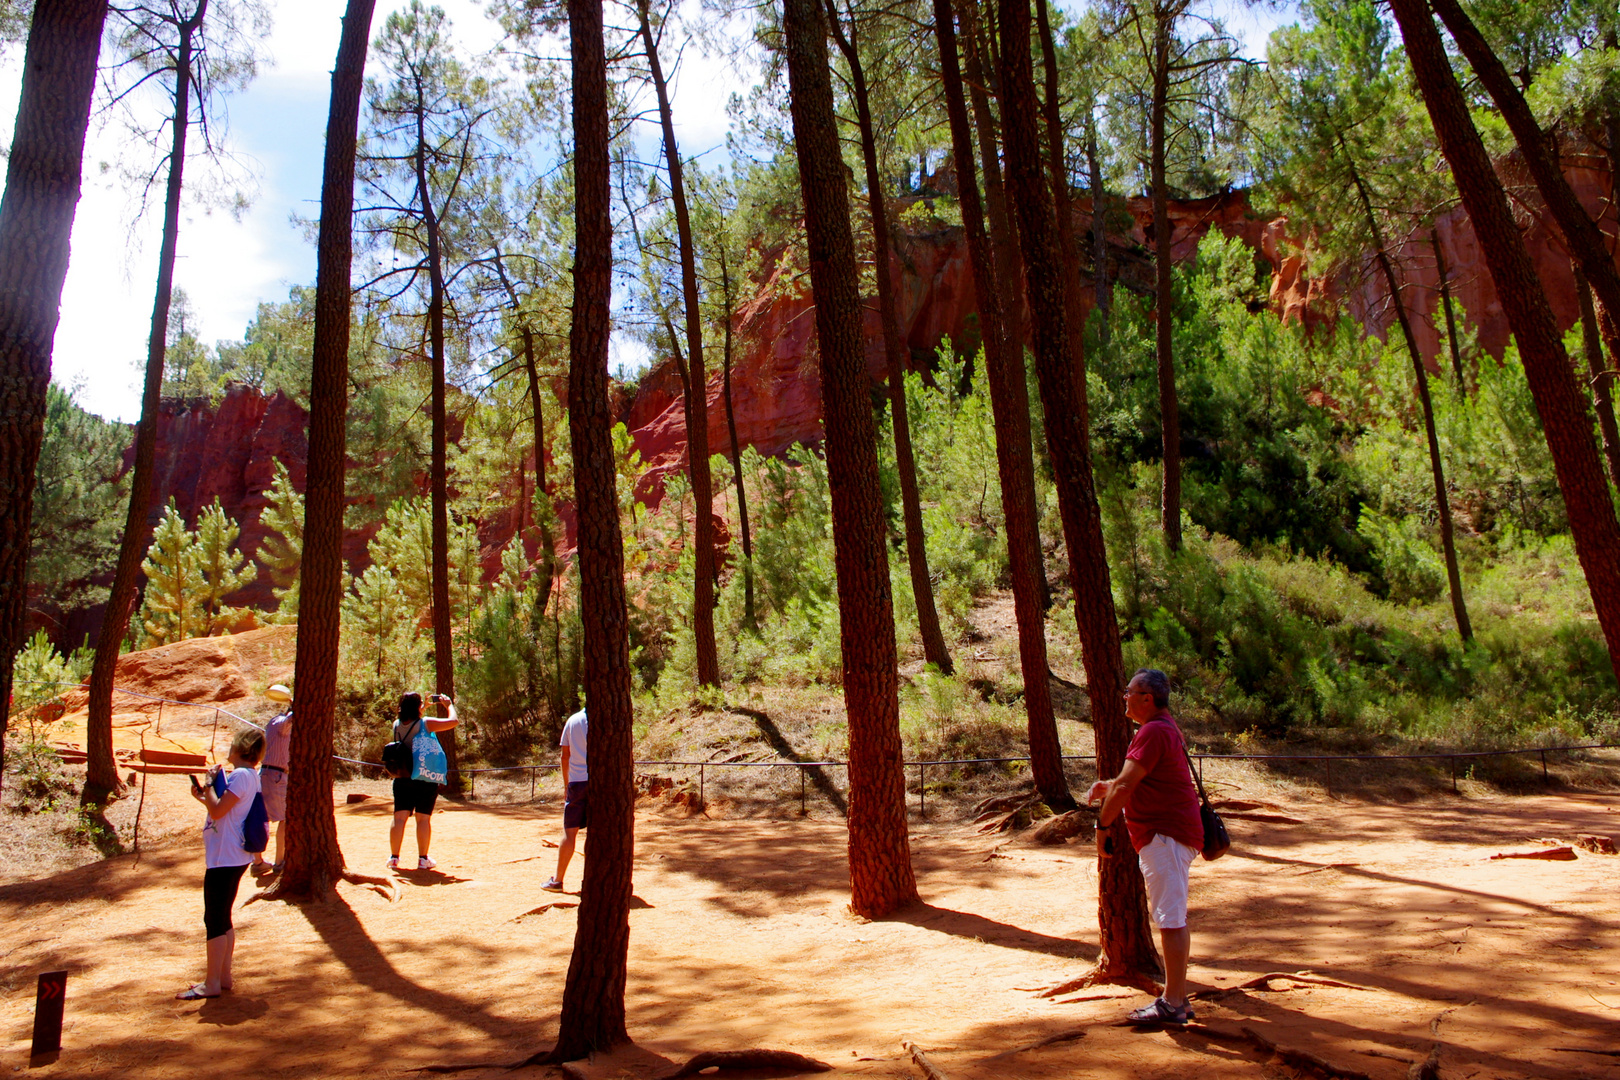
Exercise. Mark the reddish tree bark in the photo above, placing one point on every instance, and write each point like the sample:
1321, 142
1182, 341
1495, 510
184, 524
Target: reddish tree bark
697, 397
36, 221
1009, 402
1599, 375
313, 860
1540, 150
1128, 953
1164, 295
894, 351
1564, 417
1074, 319
101, 775
1003, 226
593, 999
881, 878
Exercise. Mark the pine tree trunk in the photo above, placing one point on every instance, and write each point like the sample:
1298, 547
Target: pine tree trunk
935, 650
749, 619
36, 221
593, 999
1420, 375
1565, 420
548, 545
1581, 234
1128, 953
881, 878
1009, 403
697, 401
1003, 226
1451, 317
313, 860
1600, 375
1164, 295
1074, 320
1009, 274
1104, 290
101, 775
444, 661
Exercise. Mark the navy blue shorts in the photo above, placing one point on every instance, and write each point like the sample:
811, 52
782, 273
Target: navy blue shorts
577, 806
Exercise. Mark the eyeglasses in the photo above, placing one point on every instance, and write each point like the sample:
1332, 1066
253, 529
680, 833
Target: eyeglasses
1138, 693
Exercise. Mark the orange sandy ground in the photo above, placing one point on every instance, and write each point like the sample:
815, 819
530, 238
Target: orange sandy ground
740, 937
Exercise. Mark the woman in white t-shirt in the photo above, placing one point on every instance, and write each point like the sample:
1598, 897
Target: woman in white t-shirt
227, 857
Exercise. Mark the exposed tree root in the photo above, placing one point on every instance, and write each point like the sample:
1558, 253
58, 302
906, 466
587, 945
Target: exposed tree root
1006, 812
1097, 977
748, 1059
386, 886
1056, 830
1263, 982
929, 1069
1582, 1050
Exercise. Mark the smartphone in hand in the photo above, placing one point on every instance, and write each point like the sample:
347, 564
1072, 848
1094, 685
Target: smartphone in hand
196, 785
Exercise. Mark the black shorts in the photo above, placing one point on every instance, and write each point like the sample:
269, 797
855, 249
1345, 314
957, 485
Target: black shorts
219, 896
577, 806
414, 796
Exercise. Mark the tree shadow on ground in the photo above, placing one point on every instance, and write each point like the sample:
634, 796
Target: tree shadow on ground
343, 933
965, 924
778, 742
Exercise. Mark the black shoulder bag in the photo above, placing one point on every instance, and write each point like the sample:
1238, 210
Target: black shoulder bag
1216, 841
396, 756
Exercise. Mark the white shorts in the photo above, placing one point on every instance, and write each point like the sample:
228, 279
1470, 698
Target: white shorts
1166, 867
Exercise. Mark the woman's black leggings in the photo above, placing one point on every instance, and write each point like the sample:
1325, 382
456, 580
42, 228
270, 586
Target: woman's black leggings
219, 896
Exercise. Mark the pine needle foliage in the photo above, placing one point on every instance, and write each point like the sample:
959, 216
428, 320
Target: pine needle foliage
175, 588
282, 552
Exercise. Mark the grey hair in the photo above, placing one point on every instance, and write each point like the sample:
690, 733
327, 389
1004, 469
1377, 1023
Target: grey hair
1157, 681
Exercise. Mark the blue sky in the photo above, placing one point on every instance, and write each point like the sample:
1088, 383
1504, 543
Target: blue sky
276, 127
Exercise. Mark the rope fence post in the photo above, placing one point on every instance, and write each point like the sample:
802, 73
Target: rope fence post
1544, 779
702, 799
802, 811
212, 735
532, 773
1454, 776
1330, 778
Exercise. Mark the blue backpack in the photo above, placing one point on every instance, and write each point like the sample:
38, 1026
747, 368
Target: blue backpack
256, 829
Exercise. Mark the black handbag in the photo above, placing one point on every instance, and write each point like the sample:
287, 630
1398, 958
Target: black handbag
1216, 840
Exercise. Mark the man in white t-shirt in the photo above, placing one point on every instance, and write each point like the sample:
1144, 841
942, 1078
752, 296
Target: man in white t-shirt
576, 794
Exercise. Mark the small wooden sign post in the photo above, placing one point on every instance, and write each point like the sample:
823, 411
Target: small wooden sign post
48, 1002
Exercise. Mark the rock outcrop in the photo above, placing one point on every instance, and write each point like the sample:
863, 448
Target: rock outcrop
228, 450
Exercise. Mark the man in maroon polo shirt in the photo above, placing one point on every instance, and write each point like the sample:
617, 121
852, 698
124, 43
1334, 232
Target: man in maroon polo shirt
1155, 791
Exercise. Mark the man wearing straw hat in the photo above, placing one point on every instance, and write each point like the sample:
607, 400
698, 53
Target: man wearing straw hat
273, 771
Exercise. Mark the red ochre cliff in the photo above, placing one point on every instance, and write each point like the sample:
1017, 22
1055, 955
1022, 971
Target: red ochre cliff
228, 450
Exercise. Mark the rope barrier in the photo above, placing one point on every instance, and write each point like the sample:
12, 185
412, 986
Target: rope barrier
1453, 756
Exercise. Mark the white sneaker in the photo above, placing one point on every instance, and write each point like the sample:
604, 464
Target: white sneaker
393, 862
425, 863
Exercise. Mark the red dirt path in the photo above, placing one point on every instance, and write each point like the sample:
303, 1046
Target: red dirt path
740, 938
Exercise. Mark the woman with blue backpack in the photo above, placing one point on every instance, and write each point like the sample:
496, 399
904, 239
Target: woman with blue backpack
231, 799
417, 778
